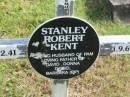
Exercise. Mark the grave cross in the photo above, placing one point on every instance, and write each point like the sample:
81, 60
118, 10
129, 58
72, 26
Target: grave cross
17, 48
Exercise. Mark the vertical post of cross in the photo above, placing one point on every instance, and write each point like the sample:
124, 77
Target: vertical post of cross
60, 88
63, 8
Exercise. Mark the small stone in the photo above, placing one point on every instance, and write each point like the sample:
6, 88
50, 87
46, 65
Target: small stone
121, 10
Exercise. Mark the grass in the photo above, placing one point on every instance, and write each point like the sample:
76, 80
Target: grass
19, 18
108, 77
20, 81
3, 67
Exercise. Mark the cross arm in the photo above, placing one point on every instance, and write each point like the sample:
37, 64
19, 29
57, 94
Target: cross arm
109, 45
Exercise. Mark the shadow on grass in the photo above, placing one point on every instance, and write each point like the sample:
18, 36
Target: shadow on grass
98, 9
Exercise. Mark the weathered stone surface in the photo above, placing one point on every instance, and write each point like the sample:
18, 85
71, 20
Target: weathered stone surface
121, 10
120, 2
